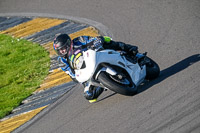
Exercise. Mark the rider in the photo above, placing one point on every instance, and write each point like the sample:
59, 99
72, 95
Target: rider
68, 51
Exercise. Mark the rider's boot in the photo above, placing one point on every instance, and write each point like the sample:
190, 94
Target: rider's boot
93, 93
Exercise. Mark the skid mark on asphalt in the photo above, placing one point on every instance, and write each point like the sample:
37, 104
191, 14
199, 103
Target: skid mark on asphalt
57, 83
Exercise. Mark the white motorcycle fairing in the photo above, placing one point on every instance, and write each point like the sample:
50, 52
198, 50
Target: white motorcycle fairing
93, 58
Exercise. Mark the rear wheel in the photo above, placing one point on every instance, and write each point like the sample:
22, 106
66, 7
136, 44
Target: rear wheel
152, 69
120, 85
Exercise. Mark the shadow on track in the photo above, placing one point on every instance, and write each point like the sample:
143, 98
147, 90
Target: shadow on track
164, 74
114, 93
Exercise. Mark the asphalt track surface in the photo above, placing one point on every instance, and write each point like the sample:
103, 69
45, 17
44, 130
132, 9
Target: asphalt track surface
169, 31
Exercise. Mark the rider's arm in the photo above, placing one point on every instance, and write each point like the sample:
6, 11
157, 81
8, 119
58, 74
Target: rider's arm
63, 64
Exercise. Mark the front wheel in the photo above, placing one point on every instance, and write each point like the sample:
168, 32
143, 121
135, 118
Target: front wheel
152, 69
119, 87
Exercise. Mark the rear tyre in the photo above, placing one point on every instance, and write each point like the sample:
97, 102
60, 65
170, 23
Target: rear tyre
152, 69
120, 88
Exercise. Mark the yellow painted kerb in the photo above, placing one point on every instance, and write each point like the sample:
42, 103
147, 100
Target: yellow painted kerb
33, 26
89, 31
9, 125
57, 77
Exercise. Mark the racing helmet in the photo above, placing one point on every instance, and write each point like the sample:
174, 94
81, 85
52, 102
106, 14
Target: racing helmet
62, 44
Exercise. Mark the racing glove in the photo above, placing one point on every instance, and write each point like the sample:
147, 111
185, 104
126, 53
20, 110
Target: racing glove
70, 73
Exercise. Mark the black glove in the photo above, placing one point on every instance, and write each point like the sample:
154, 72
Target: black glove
133, 50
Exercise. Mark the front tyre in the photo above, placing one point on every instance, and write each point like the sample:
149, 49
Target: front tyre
152, 69
124, 89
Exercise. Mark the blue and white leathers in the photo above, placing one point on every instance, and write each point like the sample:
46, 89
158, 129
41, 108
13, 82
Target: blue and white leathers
66, 64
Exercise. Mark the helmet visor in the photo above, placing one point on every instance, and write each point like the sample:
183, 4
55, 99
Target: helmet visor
62, 50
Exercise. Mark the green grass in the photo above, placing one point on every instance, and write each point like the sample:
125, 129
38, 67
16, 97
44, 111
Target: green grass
23, 66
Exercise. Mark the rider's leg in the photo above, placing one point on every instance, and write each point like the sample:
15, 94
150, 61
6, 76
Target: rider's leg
130, 49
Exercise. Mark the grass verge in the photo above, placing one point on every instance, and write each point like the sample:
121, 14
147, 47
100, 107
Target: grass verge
23, 66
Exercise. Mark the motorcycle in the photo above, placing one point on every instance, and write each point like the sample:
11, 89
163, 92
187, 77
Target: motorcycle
114, 70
